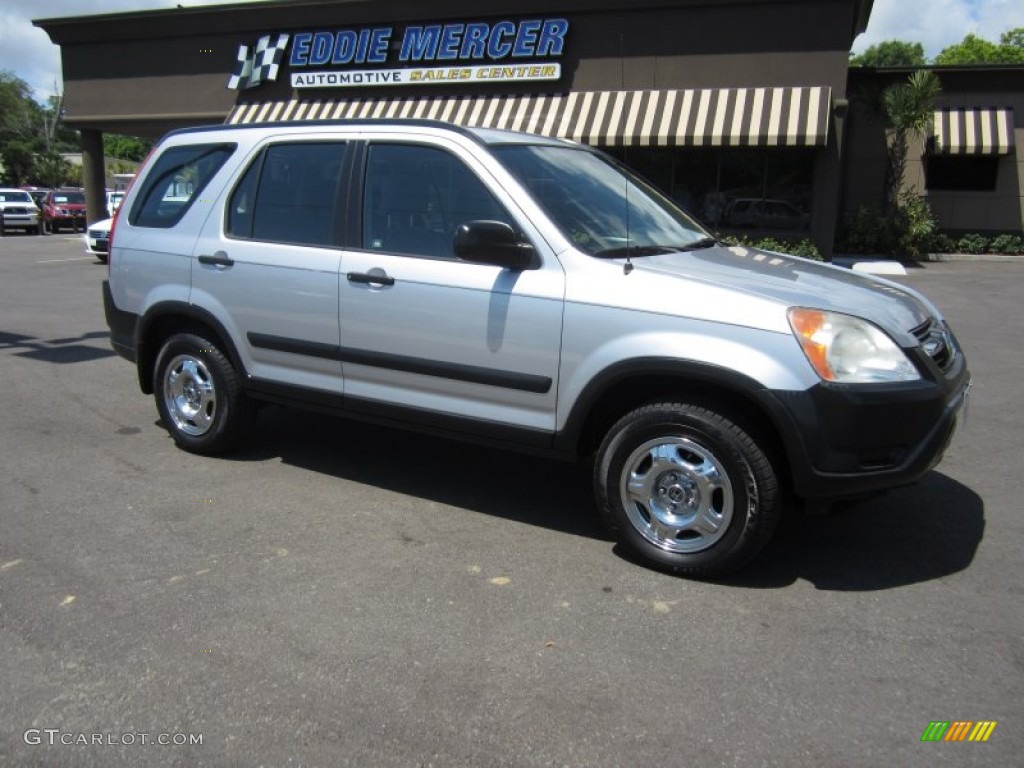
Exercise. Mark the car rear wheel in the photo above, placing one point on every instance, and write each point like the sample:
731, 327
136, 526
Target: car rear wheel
686, 489
199, 396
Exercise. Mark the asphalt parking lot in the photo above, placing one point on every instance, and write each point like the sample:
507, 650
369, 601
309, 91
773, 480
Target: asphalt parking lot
338, 594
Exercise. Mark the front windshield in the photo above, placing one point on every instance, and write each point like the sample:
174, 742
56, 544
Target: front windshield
602, 208
69, 197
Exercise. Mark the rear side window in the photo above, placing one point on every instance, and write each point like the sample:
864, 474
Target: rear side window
175, 181
290, 195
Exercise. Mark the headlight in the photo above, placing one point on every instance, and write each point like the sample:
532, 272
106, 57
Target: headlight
849, 350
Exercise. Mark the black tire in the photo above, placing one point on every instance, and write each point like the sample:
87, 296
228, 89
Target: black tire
199, 396
101, 258
686, 489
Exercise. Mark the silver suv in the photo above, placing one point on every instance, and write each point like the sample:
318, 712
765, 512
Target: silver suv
528, 293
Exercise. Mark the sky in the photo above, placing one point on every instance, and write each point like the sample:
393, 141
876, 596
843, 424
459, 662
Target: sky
27, 51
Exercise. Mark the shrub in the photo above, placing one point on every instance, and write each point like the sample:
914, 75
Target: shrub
973, 243
943, 243
1010, 244
915, 224
868, 232
803, 247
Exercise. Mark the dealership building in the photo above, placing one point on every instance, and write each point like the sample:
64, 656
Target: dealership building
740, 110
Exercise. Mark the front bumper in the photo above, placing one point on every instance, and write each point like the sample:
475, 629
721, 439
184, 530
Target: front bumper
76, 220
849, 440
97, 246
20, 220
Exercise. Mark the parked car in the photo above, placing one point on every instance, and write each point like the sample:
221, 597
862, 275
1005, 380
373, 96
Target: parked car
114, 198
530, 293
64, 208
18, 212
765, 214
97, 239
38, 195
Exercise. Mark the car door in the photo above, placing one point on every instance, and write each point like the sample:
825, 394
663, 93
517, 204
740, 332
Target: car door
428, 337
268, 268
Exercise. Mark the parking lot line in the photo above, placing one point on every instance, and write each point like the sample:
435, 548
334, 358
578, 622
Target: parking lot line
77, 258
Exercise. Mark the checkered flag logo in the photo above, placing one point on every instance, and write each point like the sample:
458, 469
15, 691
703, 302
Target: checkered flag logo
261, 64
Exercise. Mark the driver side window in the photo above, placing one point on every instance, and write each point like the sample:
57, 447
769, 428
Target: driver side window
415, 197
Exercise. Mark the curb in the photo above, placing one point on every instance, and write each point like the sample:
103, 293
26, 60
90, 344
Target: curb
882, 266
1003, 257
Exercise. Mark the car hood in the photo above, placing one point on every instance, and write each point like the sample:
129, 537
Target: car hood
797, 282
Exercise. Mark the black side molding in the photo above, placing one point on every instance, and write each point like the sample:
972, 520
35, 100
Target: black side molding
524, 382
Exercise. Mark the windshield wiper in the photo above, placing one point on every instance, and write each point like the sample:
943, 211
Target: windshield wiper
637, 250
704, 242
656, 250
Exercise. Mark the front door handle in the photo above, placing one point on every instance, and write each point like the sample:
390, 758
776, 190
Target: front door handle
372, 278
219, 259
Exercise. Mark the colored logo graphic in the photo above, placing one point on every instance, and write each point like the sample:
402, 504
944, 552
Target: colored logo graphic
958, 730
259, 64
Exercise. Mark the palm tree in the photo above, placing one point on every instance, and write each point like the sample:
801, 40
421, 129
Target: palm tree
908, 110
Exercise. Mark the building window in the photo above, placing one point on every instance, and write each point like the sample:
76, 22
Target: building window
961, 173
755, 191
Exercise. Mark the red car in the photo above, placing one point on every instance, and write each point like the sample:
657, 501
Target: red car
64, 208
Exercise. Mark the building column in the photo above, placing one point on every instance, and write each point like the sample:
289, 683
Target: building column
828, 183
94, 176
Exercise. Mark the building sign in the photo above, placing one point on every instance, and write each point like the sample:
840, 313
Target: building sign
425, 76
436, 54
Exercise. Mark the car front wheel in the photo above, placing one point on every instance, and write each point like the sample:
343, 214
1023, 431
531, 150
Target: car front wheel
199, 396
686, 489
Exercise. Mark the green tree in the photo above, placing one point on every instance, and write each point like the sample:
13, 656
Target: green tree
52, 170
126, 147
977, 50
891, 53
908, 111
18, 160
1013, 38
20, 116
74, 175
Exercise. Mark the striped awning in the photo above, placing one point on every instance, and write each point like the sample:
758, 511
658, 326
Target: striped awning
785, 117
973, 131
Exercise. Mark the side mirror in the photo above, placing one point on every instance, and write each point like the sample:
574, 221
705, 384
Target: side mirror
494, 243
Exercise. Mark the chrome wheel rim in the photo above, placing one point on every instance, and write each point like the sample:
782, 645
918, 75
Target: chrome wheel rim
190, 395
677, 494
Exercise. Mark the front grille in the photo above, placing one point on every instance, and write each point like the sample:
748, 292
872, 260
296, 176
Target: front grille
21, 210
937, 343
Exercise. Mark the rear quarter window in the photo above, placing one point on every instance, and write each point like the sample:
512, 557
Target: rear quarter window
175, 182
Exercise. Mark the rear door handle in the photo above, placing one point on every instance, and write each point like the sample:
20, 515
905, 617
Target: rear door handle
219, 259
371, 278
